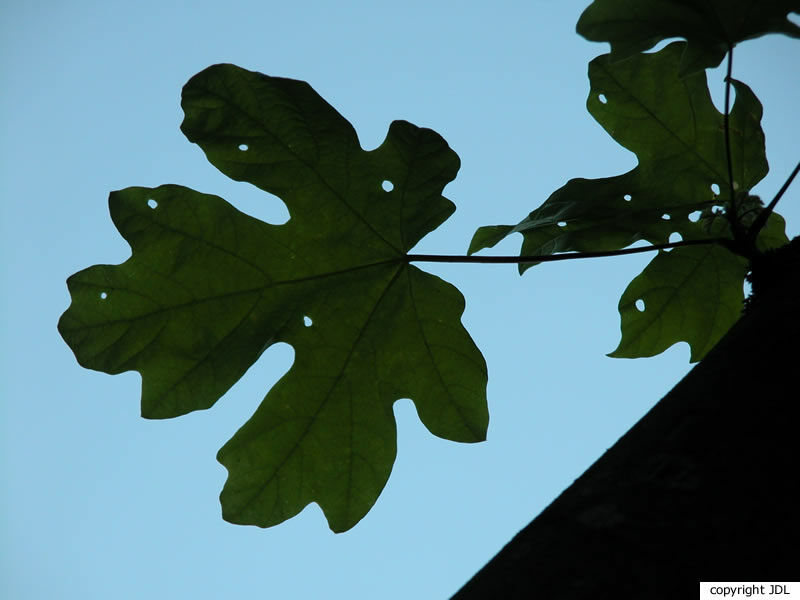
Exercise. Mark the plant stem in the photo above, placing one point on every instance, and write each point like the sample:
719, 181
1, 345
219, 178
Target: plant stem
555, 257
733, 216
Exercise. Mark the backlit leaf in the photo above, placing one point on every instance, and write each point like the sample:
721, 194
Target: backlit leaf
675, 192
207, 289
709, 26
657, 306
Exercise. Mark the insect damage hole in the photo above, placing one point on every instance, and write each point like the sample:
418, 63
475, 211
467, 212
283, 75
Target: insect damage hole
673, 238
715, 189
103, 295
602, 98
152, 203
694, 217
666, 216
562, 224
307, 321
627, 197
387, 185
244, 147
639, 304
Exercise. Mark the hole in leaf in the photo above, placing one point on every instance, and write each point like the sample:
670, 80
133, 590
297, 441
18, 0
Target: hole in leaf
152, 203
660, 45
666, 216
103, 295
562, 223
694, 217
639, 304
307, 321
794, 17
387, 185
673, 237
244, 147
715, 189
627, 197
602, 98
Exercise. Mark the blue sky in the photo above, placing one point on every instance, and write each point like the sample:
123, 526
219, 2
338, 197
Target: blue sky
98, 503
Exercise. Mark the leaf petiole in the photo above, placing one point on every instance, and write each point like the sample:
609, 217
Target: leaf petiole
564, 256
733, 216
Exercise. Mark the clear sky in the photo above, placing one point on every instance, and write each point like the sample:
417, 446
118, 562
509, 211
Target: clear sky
98, 503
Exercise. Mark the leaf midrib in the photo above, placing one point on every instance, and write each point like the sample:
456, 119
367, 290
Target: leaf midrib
262, 288
312, 420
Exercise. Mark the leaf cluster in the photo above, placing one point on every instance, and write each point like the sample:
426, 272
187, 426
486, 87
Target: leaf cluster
696, 168
207, 289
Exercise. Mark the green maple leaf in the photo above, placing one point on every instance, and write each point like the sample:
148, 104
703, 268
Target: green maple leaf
677, 134
709, 26
207, 289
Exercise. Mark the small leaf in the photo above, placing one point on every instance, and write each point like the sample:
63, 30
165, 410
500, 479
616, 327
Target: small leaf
692, 294
208, 289
709, 26
773, 235
487, 237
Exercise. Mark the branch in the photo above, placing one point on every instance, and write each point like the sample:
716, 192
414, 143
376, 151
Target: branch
554, 257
